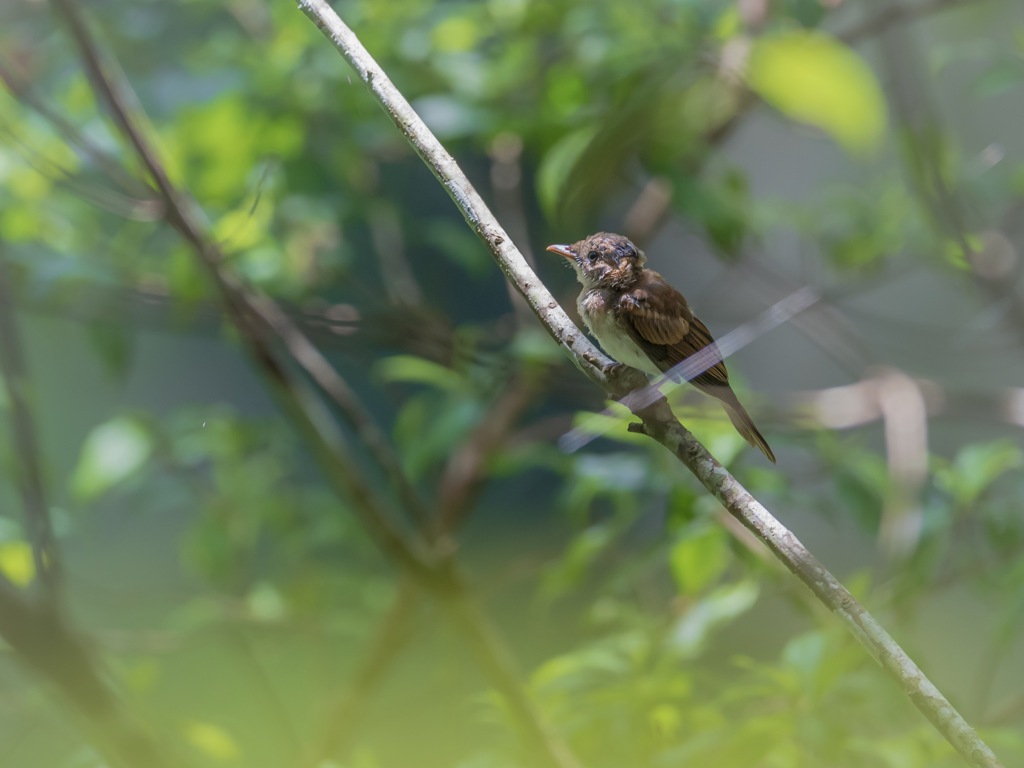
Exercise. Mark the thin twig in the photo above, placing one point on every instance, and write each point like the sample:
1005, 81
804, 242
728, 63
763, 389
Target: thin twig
914, 111
459, 485
463, 474
28, 467
22, 91
507, 185
390, 637
658, 421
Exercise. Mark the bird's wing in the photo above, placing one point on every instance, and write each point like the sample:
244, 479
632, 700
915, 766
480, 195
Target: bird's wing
655, 313
697, 339
660, 322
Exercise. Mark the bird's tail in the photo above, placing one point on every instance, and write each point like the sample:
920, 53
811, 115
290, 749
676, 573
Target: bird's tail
745, 426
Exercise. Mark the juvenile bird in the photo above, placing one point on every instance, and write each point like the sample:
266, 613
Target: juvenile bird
642, 321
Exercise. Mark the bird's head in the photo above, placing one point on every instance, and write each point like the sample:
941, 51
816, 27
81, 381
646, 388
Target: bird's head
603, 260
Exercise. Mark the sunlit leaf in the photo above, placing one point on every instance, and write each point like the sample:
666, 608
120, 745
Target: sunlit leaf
17, 563
417, 370
729, 24
613, 425
456, 33
721, 606
977, 467
141, 675
266, 603
244, 227
212, 740
584, 550
532, 345
112, 452
815, 79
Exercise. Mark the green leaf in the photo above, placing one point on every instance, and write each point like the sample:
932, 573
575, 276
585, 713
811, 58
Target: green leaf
721, 606
557, 167
579, 558
17, 563
977, 467
456, 33
815, 79
115, 345
416, 370
112, 452
699, 559
613, 426
805, 653
212, 740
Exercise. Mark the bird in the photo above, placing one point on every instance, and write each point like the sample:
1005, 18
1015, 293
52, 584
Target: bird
641, 321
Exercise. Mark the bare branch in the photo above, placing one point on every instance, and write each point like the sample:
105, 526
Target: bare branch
184, 215
590, 359
895, 13
463, 474
255, 316
658, 421
42, 639
798, 559
344, 714
28, 468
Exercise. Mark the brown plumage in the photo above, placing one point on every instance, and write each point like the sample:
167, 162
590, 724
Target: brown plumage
642, 321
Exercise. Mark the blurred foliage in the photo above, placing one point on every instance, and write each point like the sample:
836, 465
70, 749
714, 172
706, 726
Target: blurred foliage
653, 634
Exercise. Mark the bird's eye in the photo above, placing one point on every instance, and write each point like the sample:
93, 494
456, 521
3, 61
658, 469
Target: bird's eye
592, 256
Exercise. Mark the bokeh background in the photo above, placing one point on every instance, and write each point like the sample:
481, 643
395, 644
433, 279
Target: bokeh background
228, 601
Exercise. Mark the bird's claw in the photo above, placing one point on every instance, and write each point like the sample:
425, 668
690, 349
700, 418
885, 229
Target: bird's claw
613, 371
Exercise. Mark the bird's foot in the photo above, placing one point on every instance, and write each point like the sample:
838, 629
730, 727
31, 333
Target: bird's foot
614, 370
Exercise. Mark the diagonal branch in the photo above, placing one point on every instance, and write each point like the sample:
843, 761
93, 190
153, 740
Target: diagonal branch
183, 214
591, 361
43, 641
461, 481
658, 421
260, 321
28, 469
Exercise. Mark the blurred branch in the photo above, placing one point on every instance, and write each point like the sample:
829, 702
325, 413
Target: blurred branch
893, 14
649, 211
460, 482
507, 182
41, 638
464, 473
259, 320
38, 632
905, 419
28, 468
343, 717
658, 420
589, 359
237, 637
23, 92
798, 559
924, 167
396, 272
903, 405
183, 214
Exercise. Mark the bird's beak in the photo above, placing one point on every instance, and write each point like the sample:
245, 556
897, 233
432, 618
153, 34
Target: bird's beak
562, 250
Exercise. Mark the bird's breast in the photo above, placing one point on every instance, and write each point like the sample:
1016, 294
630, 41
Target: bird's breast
597, 309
